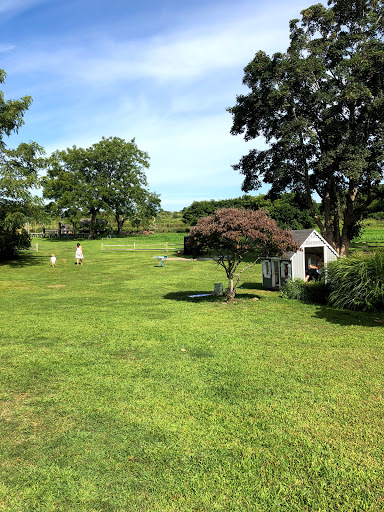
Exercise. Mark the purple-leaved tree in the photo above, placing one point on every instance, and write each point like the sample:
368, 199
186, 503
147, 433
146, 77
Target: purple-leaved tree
232, 234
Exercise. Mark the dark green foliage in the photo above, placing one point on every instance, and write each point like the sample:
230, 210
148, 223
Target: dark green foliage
108, 176
314, 292
11, 112
376, 208
18, 175
199, 209
320, 107
357, 282
10, 242
288, 210
12, 237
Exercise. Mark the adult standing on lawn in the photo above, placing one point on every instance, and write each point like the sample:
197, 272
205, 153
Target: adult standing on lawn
79, 254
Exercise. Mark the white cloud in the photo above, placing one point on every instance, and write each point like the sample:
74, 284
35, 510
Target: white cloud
4, 48
185, 54
16, 6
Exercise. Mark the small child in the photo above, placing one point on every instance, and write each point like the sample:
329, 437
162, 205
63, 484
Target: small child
53, 260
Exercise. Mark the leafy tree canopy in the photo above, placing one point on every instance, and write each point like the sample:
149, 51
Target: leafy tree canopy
11, 112
108, 176
19, 170
320, 106
376, 208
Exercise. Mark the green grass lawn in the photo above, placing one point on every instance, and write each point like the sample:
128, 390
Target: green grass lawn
118, 392
372, 232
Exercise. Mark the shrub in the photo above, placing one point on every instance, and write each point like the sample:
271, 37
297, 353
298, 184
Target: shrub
233, 234
357, 282
314, 292
11, 241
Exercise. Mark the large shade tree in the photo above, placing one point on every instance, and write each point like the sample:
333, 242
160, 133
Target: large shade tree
108, 176
233, 234
19, 175
320, 107
124, 165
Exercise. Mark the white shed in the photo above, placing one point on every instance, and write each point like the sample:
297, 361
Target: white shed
292, 265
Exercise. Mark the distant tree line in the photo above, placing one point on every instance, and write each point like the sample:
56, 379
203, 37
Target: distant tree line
289, 210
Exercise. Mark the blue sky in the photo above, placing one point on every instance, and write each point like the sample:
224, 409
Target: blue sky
161, 71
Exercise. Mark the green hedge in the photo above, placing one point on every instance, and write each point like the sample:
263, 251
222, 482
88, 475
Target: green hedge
315, 292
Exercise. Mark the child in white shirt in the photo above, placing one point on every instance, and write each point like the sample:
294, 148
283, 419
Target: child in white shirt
53, 260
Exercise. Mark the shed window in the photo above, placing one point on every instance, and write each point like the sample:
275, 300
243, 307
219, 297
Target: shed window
285, 270
266, 268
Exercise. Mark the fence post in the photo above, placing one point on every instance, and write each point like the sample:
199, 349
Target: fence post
166, 246
101, 246
37, 247
134, 246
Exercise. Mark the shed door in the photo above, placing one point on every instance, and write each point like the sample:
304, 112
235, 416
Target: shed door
315, 255
285, 270
275, 274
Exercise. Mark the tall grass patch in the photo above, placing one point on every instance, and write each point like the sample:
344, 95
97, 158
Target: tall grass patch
357, 282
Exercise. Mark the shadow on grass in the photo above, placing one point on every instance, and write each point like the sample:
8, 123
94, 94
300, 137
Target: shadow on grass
345, 317
251, 286
200, 354
185, 296
60, 240
25, 260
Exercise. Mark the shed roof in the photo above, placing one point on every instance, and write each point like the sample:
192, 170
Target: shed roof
301, 236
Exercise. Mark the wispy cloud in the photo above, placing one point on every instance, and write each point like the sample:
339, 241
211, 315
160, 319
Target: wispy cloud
16, 6
4, 48
184, 54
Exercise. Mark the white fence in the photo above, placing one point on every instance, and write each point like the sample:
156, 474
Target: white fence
55, 234
34, 247
164, 247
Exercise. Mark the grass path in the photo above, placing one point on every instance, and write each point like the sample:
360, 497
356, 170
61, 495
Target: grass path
120, 393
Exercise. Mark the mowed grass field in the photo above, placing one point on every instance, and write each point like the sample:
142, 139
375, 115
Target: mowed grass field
118, 392
372, 233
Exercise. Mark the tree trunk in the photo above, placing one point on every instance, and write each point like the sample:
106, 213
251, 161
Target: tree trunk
92, 227
118, 222
230, 292
344, 246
